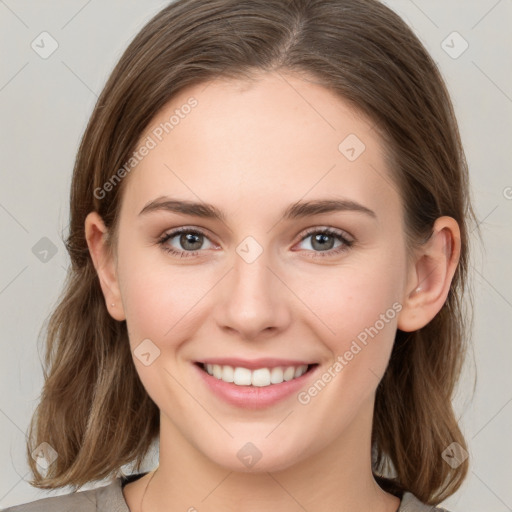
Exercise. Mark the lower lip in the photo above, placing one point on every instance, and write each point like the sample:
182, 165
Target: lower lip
254, 397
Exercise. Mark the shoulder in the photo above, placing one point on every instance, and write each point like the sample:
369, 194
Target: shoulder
108, 498
410, 503
81, 501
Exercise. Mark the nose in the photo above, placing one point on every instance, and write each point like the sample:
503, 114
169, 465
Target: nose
254, 300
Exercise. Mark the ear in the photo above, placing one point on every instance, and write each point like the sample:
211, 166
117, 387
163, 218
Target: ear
104, 262
430, 275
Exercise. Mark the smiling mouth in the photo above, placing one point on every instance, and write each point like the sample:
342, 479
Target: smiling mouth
259, 377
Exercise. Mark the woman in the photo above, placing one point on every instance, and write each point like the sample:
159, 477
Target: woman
269, 246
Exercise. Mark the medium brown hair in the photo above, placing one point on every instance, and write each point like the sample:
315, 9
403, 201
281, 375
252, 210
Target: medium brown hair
93, 410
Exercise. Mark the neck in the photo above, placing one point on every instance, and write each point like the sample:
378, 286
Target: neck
339, 478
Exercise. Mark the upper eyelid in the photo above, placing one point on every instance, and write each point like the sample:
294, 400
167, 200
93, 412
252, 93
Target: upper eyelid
335, 231
168, 235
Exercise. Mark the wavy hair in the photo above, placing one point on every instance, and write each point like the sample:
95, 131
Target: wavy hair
93, 409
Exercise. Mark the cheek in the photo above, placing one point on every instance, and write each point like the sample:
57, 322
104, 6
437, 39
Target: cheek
161, 303
353, 296
356, 311
160, 300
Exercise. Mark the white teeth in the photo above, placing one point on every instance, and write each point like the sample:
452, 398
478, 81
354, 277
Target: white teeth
260, 378
228, 374
241, 377
299, 371
217, 371
276, 375
289, 373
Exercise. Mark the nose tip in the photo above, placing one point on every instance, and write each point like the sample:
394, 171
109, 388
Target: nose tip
254, 305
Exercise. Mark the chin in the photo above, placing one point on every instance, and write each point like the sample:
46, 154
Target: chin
254, 456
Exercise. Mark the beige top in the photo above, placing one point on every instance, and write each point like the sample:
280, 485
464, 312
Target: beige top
110, 498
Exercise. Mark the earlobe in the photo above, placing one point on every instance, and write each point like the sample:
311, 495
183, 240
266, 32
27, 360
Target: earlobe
103, 260
430, 279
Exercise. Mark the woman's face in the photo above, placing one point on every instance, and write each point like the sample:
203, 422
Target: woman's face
257, 283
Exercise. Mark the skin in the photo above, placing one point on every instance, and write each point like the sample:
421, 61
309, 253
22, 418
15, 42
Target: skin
252, 149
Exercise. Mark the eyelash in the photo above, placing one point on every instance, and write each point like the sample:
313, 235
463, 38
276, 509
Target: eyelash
346, 244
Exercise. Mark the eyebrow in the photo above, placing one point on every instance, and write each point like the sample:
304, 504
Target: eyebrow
297, 210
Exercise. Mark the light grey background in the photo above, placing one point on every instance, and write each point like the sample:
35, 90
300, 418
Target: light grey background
44, 107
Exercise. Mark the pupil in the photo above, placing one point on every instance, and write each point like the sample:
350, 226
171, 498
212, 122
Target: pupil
321, 239
189, 239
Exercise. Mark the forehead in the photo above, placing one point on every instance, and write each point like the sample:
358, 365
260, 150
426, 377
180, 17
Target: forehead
279, 137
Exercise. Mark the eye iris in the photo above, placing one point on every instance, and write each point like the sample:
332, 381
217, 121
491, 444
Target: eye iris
191, 238
321, 238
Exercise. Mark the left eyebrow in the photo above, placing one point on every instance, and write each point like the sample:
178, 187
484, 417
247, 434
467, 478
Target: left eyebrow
294, 211
319, 206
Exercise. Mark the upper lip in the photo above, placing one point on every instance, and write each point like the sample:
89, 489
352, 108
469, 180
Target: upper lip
253, 364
